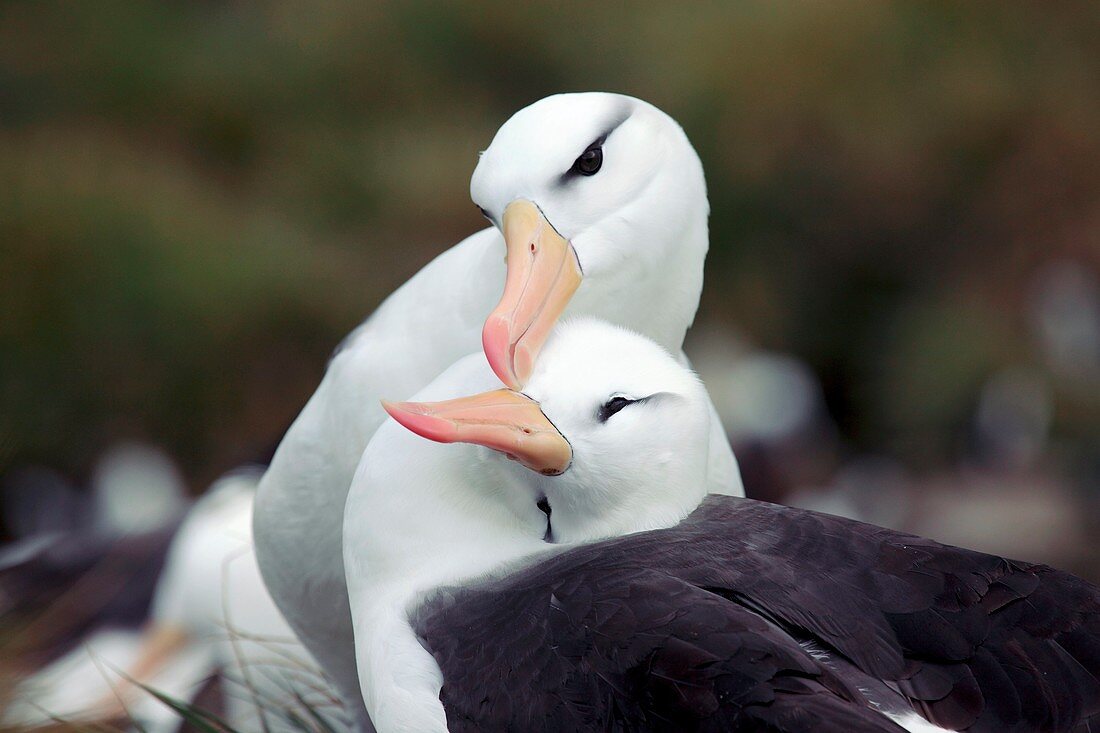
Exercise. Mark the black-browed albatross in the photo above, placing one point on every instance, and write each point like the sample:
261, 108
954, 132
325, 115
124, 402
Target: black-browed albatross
743, 616
599, 202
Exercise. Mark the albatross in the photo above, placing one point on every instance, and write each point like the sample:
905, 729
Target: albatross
487, 596
210, 616
598, 203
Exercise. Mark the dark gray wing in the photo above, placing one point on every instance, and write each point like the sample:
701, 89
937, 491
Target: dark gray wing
697, 627
627, 649
975, 642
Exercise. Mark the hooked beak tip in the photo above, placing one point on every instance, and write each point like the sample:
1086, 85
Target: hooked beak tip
496, 341
400, 408
417, 418
389, 407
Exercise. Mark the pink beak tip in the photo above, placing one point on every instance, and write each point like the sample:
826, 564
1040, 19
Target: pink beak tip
496, 343
416, 417
398, 408
391, 408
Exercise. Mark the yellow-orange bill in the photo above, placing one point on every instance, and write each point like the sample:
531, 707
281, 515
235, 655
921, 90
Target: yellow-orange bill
503, 420
543, 274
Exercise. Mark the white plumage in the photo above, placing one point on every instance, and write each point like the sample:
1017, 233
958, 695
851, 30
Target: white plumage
420, 516
638, 228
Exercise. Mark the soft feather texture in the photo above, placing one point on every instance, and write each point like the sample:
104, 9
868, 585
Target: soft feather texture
743, 616
640, 231
420, 515
698, 627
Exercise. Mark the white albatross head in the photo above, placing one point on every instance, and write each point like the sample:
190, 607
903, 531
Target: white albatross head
603, 207
610, 430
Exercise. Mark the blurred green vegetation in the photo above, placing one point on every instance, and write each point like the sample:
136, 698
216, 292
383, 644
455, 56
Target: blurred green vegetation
198, 199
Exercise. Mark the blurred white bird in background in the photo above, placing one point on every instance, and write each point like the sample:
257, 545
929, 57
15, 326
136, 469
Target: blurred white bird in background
210, 615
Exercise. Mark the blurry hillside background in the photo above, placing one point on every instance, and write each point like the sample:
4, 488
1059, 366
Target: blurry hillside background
901, 318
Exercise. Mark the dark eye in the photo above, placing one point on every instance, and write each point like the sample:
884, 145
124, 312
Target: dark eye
590, 161
612, 406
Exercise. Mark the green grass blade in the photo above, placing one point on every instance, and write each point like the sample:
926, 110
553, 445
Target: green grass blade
203, 720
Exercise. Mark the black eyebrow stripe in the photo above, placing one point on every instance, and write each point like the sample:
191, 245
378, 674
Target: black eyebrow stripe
624, 115
632, 401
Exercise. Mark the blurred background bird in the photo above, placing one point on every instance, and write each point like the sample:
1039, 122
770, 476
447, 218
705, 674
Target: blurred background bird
901, 316
205, 633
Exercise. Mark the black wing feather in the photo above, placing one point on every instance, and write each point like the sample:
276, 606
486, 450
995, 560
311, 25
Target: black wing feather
698, 627
634, 650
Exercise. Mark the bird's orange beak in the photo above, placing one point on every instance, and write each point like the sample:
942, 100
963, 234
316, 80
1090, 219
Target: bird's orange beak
543, 274
503, 420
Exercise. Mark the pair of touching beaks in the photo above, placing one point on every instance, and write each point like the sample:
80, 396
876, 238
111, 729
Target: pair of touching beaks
543, 273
